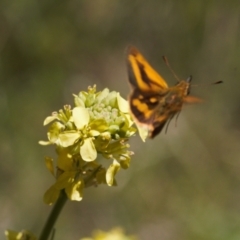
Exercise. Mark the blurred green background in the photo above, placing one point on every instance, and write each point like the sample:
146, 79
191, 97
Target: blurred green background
182, 185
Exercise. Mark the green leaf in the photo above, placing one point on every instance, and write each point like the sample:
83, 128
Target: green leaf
80, 117
68, 138
111, 172
88, 150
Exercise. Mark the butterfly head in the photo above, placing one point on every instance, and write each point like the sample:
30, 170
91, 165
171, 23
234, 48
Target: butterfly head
183, 86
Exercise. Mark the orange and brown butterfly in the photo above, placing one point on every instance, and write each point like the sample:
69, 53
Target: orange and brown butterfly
152, 103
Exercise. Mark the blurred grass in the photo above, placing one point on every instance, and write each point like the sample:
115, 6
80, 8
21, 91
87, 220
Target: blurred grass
183, 184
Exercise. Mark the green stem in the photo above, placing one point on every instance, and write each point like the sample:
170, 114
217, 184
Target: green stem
47, 229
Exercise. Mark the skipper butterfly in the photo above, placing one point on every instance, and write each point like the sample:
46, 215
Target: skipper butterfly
152, 103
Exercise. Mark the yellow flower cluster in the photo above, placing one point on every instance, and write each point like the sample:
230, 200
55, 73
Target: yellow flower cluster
98, 125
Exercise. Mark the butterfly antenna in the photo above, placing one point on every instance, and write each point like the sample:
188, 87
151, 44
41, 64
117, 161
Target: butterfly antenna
218, 82
214, 83
170, 68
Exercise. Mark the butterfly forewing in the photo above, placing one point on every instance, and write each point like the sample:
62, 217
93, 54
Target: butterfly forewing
142, 75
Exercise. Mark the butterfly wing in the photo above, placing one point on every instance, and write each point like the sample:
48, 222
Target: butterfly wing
152, 103
141, 75
148, 90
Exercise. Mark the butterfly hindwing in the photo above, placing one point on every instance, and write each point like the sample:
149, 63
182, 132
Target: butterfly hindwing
143, 106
